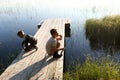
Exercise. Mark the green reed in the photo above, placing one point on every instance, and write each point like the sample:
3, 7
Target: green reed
104, 31
94, 69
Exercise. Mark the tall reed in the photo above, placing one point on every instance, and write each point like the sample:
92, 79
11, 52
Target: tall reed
94, 69
104, 33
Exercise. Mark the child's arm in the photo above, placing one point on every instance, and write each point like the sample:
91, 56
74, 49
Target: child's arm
23, 44
59, 37
54, 48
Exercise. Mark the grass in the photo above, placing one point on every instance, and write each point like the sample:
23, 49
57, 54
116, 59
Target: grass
104, 32
94, 69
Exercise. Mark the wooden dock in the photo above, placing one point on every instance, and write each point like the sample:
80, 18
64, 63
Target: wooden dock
37, 65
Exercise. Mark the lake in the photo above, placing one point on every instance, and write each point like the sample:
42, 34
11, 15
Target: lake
25, 15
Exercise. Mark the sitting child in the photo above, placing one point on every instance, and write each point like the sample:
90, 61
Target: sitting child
29, 41
53, 45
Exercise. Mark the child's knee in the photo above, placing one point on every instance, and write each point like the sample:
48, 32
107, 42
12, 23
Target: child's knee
58, 45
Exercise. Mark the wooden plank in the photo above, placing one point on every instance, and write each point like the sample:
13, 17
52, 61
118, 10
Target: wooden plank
51, 67
43, 64
36, 65
41, 51
44, 71
59, 67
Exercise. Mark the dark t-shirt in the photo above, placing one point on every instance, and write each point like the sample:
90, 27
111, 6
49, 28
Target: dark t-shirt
29, 39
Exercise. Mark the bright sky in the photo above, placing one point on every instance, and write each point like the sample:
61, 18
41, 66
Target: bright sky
62, 3
84, 2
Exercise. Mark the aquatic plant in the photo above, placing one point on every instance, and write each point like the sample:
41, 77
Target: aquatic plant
104, 33
94, 69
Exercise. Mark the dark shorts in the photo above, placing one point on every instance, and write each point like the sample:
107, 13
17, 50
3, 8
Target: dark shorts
56, 55
31, 46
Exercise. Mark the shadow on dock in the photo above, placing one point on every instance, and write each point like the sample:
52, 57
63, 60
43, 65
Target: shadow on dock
33, 69
23, 55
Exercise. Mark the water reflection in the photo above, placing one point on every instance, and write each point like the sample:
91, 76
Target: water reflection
106, 43
103, 38
12, 18
25, 15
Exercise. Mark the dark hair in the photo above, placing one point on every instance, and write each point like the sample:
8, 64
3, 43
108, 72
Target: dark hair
52, 31
20, 32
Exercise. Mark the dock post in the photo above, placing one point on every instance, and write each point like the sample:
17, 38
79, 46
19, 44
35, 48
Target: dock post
67, 30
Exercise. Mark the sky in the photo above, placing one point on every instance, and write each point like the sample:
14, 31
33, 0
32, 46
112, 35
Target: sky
62, 3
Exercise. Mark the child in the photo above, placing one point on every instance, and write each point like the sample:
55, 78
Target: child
29, 41
53, 45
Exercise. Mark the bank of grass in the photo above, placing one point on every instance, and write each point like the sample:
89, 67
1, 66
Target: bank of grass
94, 69
104, 31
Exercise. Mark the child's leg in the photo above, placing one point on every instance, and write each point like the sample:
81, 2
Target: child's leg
26, 47
33, 46
58, 45
36, 47
56, 55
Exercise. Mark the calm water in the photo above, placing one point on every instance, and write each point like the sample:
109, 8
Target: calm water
25, 15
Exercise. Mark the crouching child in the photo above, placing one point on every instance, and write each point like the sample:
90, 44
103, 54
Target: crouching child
29, 42
53, 45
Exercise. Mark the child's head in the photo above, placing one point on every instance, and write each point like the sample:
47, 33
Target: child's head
21, 34
54, 32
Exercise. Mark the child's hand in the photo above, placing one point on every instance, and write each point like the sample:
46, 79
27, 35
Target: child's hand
63, 49
59, 37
